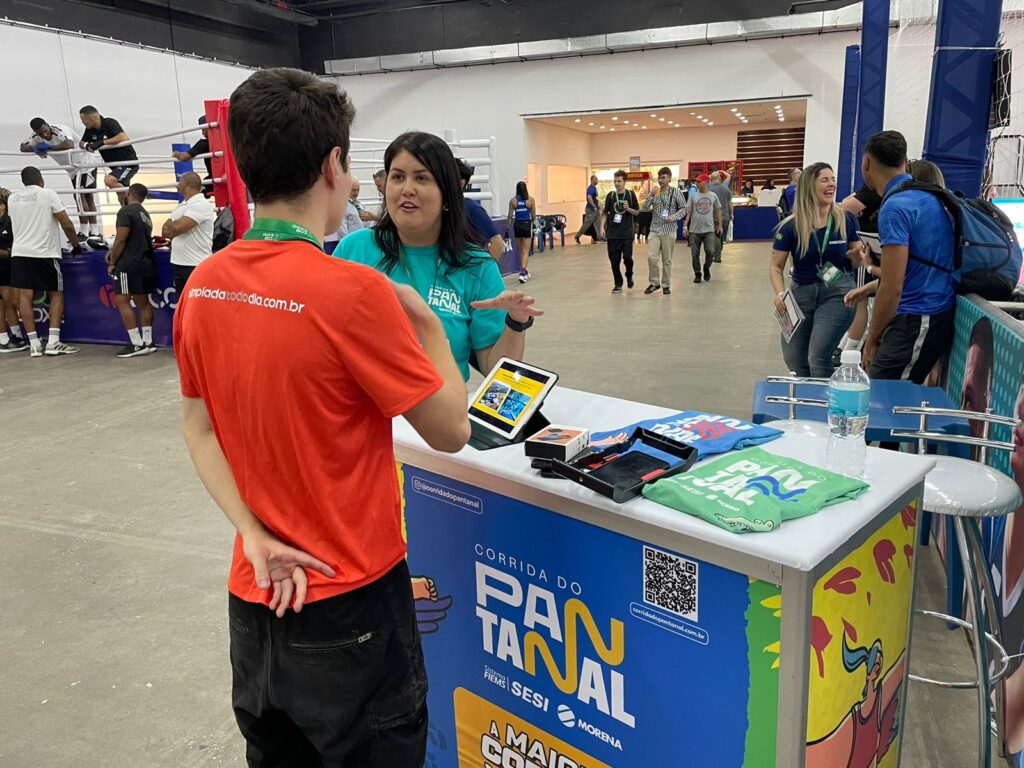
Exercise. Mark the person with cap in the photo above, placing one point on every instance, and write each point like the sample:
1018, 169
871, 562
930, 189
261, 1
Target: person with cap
703, 225
201, 147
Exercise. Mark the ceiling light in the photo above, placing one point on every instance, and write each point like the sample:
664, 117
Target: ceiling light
734, 110
711, 123
661, 119
625, 122
613, 130
782, 119
615, 118
578, 120
700, 117
778, 106
589, 123
693, 113
654, 114
602, 127
739, 115
643, 127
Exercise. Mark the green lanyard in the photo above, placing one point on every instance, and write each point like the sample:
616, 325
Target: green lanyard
278, 229
823, 245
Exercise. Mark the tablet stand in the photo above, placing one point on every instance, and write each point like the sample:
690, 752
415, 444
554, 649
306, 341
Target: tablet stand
484, 439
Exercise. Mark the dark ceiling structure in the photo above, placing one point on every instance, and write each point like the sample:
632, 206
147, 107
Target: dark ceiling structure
308, 32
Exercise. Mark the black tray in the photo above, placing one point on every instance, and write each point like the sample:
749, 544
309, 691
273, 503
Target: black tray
622, 492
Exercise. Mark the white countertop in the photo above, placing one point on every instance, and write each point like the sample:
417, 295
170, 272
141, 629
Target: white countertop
800, 544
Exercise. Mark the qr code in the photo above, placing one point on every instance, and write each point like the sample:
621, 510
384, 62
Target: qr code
671, 583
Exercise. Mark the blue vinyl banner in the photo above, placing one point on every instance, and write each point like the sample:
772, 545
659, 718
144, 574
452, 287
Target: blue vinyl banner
551, 642
90, 314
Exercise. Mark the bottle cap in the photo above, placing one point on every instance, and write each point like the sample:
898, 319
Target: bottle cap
850, 357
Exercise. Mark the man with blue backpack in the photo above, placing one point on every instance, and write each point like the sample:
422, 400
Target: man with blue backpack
934, 244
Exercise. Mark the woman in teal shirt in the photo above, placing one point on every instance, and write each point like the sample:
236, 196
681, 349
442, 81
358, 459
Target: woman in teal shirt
422, 240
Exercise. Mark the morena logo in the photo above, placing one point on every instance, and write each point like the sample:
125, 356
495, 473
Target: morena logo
107, 296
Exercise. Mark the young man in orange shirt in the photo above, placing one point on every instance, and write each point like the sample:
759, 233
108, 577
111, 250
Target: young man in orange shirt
293, 365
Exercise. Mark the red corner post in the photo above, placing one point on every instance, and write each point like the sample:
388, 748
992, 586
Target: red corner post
231, 192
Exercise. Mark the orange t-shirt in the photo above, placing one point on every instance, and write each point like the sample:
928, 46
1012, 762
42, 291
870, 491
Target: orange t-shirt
302, 361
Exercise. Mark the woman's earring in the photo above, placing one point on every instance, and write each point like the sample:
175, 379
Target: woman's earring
444, 207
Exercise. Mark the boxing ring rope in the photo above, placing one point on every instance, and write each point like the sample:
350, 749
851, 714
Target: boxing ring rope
127, 163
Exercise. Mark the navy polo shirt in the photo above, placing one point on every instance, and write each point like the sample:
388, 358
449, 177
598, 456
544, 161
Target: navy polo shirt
807, 263
918, 221
481, 227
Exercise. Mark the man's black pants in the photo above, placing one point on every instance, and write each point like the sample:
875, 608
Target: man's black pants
340, 685
620, 250
911, 346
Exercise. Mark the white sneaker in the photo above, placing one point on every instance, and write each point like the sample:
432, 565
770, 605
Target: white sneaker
37, 350
59, 348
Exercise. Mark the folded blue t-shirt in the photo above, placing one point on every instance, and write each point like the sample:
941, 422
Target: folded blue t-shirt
709, 433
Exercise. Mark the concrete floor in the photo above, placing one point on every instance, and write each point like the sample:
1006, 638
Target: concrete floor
114, 558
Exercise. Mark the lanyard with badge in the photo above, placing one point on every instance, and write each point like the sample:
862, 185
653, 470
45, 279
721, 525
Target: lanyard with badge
619, 207
828, 272
666, 204
278, 229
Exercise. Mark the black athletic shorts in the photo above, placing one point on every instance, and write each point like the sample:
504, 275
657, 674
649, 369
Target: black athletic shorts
522, 229
36, 274
83, 178
5, 272
911, 346
124, 173
133, 282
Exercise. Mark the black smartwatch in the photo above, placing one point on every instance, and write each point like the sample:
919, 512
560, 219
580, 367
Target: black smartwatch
517, 326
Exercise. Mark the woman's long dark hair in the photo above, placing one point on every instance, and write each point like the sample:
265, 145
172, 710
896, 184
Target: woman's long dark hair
453, 244
522, 191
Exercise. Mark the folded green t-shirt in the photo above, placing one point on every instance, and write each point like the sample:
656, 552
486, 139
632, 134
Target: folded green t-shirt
753, 490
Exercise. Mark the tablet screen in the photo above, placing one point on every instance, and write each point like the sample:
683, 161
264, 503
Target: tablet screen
509, 396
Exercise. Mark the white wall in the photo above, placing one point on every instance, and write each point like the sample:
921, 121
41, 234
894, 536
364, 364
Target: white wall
665, 146
52, 76
551, 145
491, 100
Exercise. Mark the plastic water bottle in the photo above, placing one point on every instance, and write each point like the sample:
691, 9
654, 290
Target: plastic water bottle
849, 395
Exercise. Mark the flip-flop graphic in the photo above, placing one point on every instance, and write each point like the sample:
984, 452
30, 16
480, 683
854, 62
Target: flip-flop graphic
845, 581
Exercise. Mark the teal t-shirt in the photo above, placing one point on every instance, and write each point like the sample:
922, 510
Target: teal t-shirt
450, 296
753, 490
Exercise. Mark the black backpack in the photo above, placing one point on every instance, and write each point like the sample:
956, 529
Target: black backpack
986, 253
223, 229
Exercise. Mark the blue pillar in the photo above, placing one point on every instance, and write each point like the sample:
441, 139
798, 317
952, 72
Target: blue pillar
849, 162
179, 166
874, 57
956, 134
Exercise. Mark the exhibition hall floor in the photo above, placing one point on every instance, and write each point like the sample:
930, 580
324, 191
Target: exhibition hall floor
114, 564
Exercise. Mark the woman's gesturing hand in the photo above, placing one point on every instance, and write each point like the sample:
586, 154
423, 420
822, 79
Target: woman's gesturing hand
518, 305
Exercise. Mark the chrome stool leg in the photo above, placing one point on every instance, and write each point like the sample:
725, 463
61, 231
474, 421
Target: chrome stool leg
982, 615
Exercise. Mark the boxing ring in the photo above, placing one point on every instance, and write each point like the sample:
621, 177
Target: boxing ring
90, 314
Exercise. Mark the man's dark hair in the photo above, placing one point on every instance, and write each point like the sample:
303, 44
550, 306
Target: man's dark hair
36, 123
889, 148
453, 243
31, 176
665, 171
88, 109
202, 120
138, 192
793, 172
620, 175
282, 124
465, 171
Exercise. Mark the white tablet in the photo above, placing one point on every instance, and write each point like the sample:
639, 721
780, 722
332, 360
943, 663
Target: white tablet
871, 240
509, 396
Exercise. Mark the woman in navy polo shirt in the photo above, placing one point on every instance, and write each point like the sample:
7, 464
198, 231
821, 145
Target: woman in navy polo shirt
816, 235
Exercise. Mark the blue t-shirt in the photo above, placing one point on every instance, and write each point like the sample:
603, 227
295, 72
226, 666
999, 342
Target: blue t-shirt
522, 209
790, 194
806, 265
917, 220
709, 433
591, 193
449, 296
481, 227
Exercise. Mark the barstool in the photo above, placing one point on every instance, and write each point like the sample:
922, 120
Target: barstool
968, 491
793, 425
